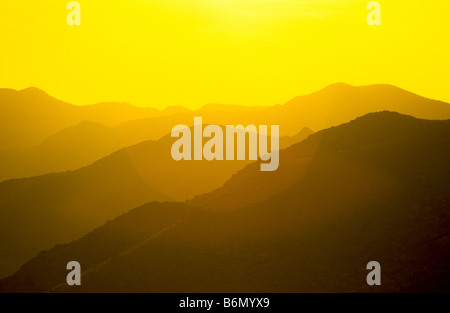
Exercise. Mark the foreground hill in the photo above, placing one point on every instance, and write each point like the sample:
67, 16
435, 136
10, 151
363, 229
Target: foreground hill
376, 188
39, 212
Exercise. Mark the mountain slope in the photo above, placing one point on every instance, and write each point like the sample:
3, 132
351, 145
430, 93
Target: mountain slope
76, 147
339, 103
331, 106
39, 212
376, 188
29, 116
69, 149
40, 134
328, 107
368, 132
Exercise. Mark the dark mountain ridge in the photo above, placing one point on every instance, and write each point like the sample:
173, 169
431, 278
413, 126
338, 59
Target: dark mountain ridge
376, 188
39, 212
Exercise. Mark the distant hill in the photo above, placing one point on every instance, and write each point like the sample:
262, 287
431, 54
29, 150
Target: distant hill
47, 117
29, 116
331, 106
376, 188
69, 149
39, 212
339, 103
77, 147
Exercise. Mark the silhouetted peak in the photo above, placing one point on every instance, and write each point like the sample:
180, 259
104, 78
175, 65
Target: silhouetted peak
33, 91
304, 132
383, 123
384, 116
381, 87
339, 85
343, 89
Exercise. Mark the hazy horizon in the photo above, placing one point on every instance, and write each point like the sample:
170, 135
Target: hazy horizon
247, 52
201, 105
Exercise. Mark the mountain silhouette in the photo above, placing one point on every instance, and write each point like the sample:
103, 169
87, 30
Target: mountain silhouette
77, 147
29, 116
331, 106
376, 188
58, 123
69, 149
39, 212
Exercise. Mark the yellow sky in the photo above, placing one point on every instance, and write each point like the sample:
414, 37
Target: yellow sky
193, 52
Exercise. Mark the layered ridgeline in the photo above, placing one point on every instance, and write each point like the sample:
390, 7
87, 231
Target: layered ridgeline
29, 116
76, 147
71, 137
331, 106
374, 189
38, 212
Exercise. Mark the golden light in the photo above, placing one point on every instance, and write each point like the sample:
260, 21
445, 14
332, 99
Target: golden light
192, 52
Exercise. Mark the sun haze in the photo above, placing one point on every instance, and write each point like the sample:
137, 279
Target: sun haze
192, 52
